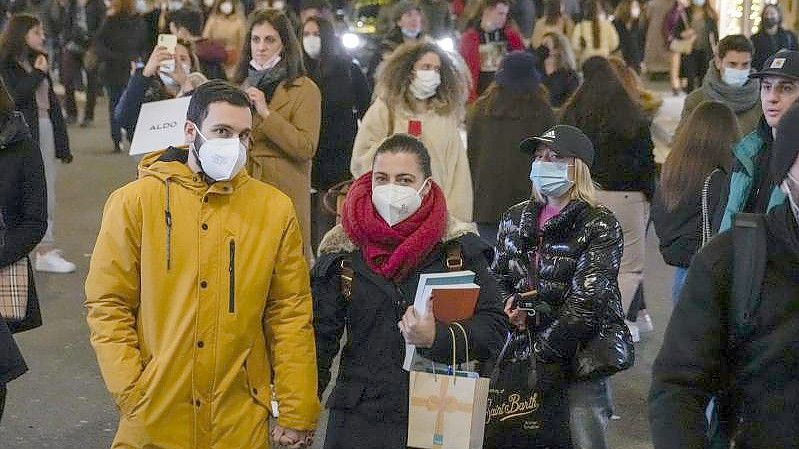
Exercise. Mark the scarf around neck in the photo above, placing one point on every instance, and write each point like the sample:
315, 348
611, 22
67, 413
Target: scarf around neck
393, 252
266, 80
739, 99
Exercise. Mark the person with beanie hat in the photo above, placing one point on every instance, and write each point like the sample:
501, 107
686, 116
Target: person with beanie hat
708, 351
515, 106
564, 249
751, 187
406, 20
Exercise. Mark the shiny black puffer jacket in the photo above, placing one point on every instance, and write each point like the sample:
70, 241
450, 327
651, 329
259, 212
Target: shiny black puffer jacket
578, 255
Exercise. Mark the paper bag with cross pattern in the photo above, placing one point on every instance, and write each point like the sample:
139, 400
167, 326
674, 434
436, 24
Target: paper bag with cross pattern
446, 412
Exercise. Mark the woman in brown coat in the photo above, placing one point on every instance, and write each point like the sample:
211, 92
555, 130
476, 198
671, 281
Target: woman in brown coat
288, 106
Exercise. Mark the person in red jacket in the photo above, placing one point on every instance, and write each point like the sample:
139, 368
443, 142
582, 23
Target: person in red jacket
487, 39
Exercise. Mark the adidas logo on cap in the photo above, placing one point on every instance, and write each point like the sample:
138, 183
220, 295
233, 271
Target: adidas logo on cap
549, 135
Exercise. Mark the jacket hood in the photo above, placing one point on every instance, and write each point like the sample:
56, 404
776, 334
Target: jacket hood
337, 241
13, 130
751, 145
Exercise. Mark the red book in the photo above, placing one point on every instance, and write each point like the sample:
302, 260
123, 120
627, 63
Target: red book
415, 128
454, 303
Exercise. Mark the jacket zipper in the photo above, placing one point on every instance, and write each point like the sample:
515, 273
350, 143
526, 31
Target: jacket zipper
232, 272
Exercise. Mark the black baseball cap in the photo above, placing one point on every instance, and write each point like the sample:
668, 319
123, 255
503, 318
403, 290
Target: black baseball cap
784, 63
566, 140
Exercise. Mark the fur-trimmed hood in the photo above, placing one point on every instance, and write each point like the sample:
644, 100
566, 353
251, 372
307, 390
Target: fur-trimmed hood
337, 241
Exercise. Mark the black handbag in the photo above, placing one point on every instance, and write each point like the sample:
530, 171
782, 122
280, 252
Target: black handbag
527, 400
608, 353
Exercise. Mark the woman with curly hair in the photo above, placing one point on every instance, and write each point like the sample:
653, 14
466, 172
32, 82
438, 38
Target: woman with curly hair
421, 92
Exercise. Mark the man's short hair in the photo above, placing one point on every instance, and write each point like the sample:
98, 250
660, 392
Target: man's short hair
215, 91
735, 42
189, 18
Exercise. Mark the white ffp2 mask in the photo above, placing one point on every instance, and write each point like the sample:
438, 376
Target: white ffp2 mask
312, 46
425, 84
222, 158
396, 203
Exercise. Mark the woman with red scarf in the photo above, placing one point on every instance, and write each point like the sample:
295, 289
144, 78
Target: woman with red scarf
394, 228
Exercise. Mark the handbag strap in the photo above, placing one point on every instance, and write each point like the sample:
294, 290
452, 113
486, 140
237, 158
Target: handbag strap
465, 338
706, 231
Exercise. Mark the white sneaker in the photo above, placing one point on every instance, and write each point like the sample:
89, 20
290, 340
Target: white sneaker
634, 331
644, 322
53, 262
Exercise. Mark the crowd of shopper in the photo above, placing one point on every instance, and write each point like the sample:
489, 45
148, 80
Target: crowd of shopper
523, 152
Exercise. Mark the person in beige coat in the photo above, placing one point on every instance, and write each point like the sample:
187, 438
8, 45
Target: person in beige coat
596, 35
227, 25
289, 109
421, 92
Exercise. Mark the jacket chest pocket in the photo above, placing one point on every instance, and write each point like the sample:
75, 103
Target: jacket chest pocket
231, 302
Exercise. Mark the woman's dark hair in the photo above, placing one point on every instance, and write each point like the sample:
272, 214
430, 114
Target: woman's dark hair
477, 17
765, 10
529, 104
591, 12
13, 46
601, 106
404, 143
331, 48
6, 102
552, 11
291, 54
701, 145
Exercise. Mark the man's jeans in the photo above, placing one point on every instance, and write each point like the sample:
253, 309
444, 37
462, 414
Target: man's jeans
590, 410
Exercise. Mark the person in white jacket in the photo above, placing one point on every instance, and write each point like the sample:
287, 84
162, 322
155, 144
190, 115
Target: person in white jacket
422, 92
595, 35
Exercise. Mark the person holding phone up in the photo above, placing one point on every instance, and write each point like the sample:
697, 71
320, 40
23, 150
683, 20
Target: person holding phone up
566, 248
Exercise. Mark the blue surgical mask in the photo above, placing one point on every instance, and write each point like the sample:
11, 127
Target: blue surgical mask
735, 77
551, 178
699, 2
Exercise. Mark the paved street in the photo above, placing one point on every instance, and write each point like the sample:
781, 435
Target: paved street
62, 403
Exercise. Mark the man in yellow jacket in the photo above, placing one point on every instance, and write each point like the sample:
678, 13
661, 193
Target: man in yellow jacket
198, 295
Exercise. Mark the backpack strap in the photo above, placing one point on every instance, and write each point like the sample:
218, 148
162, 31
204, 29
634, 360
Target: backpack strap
749, 242
453, 256
347, 276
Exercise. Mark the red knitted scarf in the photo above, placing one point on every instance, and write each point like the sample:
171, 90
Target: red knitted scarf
395, 252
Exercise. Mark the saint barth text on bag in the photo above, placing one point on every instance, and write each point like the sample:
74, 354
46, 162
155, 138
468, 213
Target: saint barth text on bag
14, 283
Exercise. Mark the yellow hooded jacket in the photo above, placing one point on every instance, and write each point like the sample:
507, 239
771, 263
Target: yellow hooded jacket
197, 296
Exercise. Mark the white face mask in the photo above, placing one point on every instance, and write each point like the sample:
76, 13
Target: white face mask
735, 77
425, 84
312, 45
220, 159
208, 3
226, 8
167, 80
635, 12
142, 6
396, 203
271, 63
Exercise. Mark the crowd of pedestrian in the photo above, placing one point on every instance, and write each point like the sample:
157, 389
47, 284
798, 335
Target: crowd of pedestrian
315, 188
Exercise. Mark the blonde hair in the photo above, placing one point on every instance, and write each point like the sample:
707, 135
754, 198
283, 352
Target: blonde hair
393, 85
583, 189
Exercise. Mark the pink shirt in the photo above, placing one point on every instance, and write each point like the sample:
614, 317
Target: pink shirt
546, 214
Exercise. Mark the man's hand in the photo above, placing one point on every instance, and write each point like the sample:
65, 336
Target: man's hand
293, 439
419, 330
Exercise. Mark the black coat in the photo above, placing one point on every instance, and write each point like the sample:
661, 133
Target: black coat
119, 41
695, 355
23, 203
345, 99
624, 164
631, 42
561, 85
766, 45
12, 365
95, 15
22, 87
578, 253
680, 229
371, 380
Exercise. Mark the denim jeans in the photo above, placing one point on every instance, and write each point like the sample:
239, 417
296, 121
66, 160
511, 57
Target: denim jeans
679, 281
590, 411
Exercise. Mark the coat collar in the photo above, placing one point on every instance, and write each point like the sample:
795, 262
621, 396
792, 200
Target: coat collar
337, 241
528, 225
170, 166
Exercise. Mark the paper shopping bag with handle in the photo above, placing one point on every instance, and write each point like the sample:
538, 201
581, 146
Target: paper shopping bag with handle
447, 411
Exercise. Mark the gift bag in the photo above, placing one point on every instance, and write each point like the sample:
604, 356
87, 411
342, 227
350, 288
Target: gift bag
447, 411
527, 401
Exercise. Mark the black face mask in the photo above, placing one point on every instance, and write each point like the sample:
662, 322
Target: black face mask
770, 22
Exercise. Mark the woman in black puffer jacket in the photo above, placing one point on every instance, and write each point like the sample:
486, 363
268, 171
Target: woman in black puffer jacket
568, 249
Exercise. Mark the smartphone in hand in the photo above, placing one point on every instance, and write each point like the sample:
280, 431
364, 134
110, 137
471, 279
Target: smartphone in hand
170, 42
